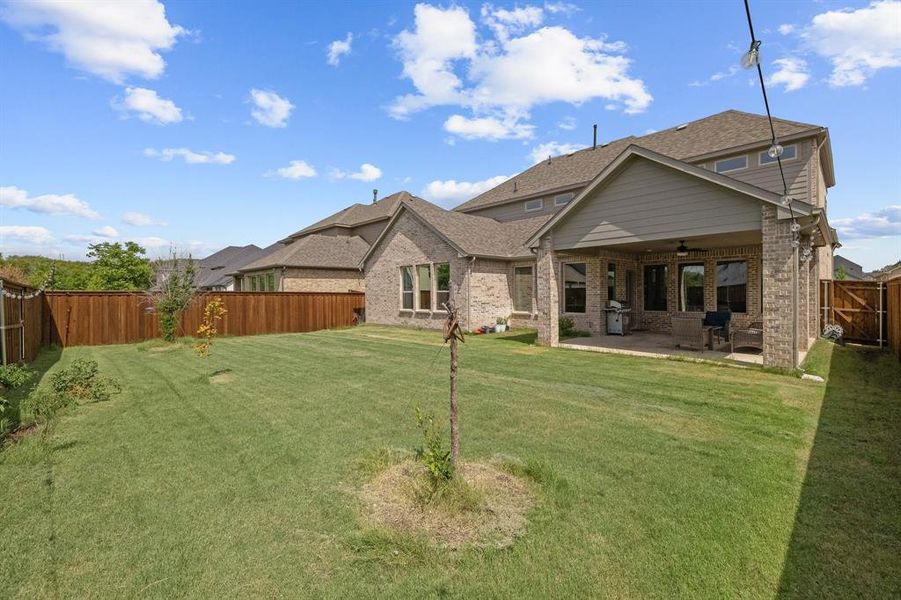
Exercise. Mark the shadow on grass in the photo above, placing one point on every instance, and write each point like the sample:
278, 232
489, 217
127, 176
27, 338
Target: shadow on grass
846, 540
46, 358
526, 337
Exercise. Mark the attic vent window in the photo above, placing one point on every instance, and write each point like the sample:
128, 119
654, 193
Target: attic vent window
533, 204
681, 127
731, 164
562, 199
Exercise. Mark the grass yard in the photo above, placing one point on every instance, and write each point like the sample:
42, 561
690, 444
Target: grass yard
654, 478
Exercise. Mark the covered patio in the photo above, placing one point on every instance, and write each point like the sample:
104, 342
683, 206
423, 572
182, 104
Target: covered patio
659, 345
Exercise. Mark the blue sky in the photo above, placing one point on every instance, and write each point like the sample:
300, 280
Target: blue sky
201, 124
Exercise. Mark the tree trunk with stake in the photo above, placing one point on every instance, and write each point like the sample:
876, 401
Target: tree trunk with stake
453, 333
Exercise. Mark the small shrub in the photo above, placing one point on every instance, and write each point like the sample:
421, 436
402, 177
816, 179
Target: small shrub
82, 381
44, 407
566, 326
13, 375
432, 454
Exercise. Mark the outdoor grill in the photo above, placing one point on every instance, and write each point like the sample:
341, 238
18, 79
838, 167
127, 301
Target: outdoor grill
618, 318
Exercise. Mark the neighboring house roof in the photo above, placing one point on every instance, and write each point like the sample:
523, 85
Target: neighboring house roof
314, 251
852, 270
355, 215
716, 134
215, 270
636, 152
470, 235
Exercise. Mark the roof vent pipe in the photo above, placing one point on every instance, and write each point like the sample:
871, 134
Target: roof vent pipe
594, 144
375, 196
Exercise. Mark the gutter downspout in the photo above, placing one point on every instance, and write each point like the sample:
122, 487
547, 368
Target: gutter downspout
795, 308
472, 260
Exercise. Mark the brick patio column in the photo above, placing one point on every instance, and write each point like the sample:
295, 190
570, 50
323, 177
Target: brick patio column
780, 290
548, 294
814, 295
804, 307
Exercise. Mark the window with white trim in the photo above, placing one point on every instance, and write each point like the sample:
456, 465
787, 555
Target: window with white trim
731, 164
442, 285
691, 287
406, 288
574, 287
788, 153
424, 285
533, 204
563, 199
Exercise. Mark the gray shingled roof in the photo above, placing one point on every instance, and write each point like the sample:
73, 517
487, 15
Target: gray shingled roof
355, 214
215, 269
314, 251
473, 235
716, 133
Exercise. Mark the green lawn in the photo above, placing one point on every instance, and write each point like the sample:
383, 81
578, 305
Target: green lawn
660, 478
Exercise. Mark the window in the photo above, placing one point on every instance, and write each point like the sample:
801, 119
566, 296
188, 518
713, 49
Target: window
691, 287
523, 289
732, 286
731, 164
655, 287
533, 204
611, 281
442, 282
574, 287
270, 282
788, 153
406, 288
562, 199
425, 287
253, 283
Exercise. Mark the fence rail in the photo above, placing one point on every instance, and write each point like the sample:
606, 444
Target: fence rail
893, 301
100, 318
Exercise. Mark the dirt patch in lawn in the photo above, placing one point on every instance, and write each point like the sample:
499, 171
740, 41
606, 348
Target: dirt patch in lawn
487, 507
224, 376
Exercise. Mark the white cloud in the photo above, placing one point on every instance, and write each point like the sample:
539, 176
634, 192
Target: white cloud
450, 193
517, 68
148, 106
109, 39
488, 128
786, 28
505, 22
564, 8
296, 169
48, 204
882, 223
367, 172
339, 48
107, 231
25, 233
792, 73
857, 42
137, 219
190, 157
542, 151
270, 109
718, 76
567, 123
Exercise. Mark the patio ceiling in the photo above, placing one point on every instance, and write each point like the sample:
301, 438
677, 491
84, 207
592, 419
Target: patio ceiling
703, 242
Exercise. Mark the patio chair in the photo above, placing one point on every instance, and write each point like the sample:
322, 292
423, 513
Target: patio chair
688, 332
721, 320
749, 337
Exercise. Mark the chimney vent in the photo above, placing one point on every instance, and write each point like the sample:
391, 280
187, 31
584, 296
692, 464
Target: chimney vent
375, 196
594, 143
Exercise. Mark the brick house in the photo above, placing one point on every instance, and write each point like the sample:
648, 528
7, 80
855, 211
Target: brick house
678, 222
323, 257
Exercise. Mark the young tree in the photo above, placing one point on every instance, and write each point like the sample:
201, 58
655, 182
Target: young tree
453, 333
119, 267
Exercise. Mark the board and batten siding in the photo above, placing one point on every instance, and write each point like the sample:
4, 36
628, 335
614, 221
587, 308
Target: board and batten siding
515, 210
647, 201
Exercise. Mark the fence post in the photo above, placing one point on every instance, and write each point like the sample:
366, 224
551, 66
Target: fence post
880, 314
2, 323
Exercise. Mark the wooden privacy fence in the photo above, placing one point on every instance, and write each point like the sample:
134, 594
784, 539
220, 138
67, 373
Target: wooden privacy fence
20, 322
893, 301
861, 308
97, 318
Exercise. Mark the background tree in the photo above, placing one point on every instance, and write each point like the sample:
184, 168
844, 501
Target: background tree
840, 273
67, 274
174, 294
119, 267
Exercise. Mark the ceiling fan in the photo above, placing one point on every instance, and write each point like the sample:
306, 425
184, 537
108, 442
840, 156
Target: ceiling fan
683, 250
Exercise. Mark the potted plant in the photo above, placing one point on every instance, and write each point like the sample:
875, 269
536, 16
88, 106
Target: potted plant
501, 325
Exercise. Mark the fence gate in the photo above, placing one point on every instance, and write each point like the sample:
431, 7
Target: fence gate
12, 324
859, 307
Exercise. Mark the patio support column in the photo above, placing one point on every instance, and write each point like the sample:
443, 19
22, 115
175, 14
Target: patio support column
803, 303
813, 293
780, 292
548, 293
